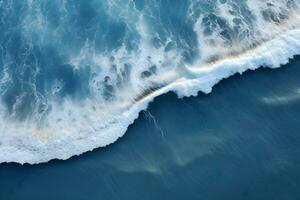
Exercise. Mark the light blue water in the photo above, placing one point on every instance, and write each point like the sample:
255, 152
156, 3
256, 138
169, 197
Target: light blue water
240, 142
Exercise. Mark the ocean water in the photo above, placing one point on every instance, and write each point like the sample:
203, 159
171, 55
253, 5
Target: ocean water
242, 141
74, 74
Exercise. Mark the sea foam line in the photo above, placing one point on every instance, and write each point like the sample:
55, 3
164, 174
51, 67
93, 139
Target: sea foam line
272, 54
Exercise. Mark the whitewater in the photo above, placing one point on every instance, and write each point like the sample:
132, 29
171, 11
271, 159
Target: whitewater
75, 74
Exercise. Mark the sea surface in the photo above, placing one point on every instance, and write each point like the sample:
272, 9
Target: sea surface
74, 74
149, 99
240, 142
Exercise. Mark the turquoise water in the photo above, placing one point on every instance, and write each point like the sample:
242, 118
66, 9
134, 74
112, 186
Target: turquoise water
242, 141
74, 74
102, 78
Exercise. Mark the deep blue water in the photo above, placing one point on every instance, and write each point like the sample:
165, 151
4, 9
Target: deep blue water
242, 141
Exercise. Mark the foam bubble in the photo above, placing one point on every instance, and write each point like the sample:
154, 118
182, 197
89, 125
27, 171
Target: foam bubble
123, 81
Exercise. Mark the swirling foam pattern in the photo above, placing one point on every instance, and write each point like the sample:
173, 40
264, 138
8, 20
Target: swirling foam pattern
74, 73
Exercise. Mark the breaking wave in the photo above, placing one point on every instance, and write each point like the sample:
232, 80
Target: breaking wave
75, 74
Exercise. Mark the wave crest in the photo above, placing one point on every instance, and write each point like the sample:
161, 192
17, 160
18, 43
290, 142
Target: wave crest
59, 100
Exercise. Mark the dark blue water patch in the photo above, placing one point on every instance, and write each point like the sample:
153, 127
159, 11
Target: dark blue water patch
239, 142
176, 22
89, 20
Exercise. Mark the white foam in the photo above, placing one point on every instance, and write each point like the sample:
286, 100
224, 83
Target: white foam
74, 127
69, 138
